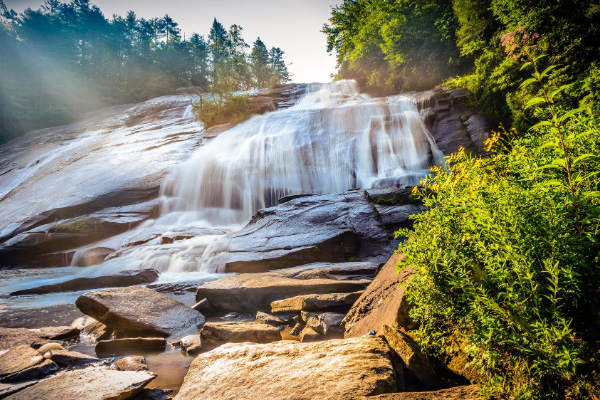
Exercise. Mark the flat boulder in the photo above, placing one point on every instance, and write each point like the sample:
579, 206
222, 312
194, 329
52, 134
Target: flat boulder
383, 302
191, 344
132, 363
122, 279
92, 383
287, 370
22, 363
273, 320
69, 359
10, 337
321, 228
256, 292
217, 333
138, 311
315, 302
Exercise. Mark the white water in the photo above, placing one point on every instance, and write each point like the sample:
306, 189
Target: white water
332, 140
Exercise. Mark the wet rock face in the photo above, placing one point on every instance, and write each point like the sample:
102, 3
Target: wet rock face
89, 383
70, 185
139, 311
452, 122
124, 278
469, 392
328, 228
336, 369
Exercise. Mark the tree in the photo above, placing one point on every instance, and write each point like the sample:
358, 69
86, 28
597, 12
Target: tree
259, 61
277, 64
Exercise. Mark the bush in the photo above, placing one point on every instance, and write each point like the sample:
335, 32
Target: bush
508, 255
223, 110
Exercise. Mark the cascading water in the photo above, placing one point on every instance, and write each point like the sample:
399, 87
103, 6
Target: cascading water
333, 140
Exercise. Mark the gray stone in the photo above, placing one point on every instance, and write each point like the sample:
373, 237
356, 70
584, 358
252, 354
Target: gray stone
93, 383
122, 279
217, 333
315, 302
203, 306
191, 344
139, 311
288, 370
328, 323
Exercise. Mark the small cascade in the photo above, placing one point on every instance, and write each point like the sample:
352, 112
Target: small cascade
332, 140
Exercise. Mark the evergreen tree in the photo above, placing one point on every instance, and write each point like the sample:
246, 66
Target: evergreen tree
259, 61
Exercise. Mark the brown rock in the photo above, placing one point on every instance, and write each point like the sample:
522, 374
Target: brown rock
382, 303
6, 389
412, 358
297, 329
308, 334
138, 311
264, 318
216, 333
67, 359
58, 332
92, 383
327, 323
470, 392
203, 306
135, 363
106, 348
10, 337
335, 369
23, 363
96, 330
315, 302
124, 278
256, 292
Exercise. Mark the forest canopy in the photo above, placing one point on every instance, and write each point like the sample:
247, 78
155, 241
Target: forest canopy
64, 59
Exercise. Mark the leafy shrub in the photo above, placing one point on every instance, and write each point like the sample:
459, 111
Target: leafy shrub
508, 256
223, 110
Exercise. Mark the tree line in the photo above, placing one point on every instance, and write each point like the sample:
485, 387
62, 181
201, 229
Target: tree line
64, 59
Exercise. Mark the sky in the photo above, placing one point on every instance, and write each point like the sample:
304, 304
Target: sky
293, 25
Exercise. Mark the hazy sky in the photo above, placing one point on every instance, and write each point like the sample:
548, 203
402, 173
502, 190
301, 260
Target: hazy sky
292, 25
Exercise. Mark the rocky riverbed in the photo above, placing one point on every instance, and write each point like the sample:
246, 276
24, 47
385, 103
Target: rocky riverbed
102, 296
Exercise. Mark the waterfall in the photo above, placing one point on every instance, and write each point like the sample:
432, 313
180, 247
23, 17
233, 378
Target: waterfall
332, 140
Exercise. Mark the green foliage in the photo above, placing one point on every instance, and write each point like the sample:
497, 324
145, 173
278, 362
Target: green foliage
508, 256
224, 109
394, 45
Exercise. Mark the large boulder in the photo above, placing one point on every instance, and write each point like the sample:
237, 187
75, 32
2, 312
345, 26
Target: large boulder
327, 324
138, 311
383, 302
256, 292
106, 348
335, 369
121, 279
214, 334
69, 359
324, 228
93, 383
22, 363
469, 392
